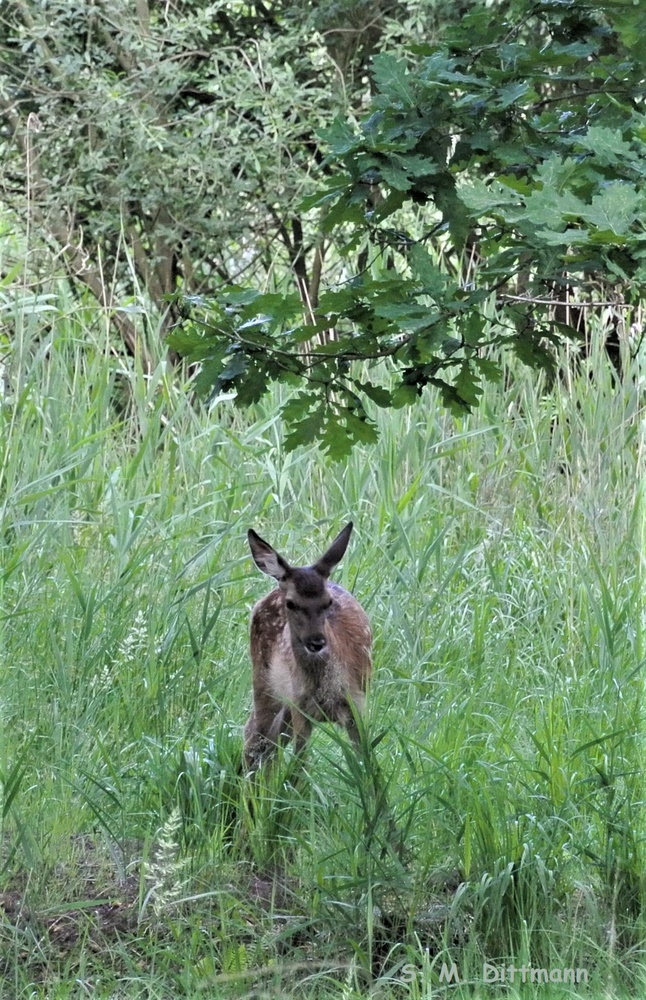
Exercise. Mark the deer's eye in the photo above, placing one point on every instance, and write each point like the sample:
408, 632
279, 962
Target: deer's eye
290, 605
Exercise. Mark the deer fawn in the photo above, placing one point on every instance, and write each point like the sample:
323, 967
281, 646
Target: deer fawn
310, 649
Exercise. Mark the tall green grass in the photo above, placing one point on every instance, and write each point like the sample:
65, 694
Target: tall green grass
495, 813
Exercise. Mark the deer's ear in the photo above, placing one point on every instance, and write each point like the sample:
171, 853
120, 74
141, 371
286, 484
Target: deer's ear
266, 558
335, 553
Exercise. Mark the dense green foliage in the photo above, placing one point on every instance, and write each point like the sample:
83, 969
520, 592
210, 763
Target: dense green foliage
188, 156
500, 557
488, 184
155, 148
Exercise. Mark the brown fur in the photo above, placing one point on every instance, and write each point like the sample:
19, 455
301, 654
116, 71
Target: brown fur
310, 650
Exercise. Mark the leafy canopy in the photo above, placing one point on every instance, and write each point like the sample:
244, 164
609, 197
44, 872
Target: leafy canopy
154, 148
483, 184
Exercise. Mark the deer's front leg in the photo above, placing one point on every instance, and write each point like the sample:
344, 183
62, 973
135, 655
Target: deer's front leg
266, 724
349, 717
302, 728
281, 727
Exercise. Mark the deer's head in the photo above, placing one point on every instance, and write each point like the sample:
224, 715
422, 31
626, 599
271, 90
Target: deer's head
307, 598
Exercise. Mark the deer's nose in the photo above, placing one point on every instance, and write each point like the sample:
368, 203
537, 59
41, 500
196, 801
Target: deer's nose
315, 644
